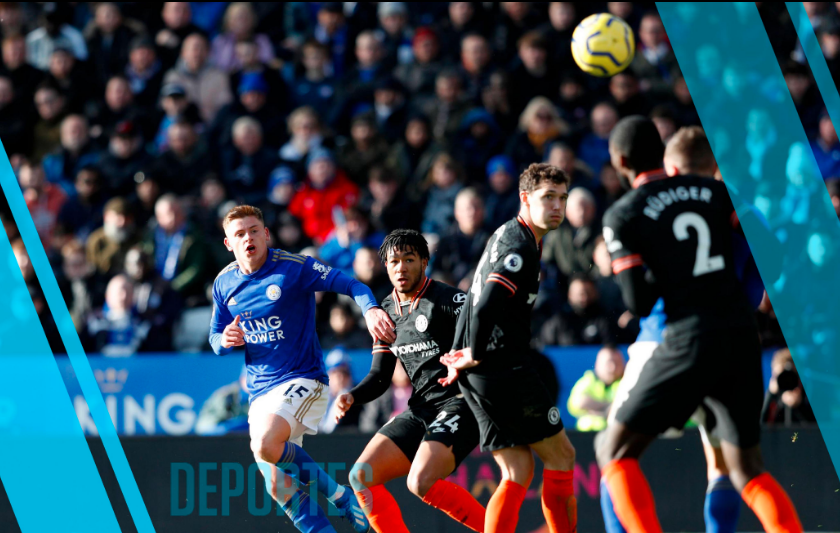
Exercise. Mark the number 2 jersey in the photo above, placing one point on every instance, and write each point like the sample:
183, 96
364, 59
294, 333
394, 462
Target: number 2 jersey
680, 229
496, 320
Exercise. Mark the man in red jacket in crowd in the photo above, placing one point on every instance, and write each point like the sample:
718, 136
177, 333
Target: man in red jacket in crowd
326, 188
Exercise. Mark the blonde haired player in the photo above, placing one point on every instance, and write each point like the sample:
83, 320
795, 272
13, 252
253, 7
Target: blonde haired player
264, 302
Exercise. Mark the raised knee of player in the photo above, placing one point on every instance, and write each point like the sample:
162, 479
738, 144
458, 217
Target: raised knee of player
420, 480
266, 450
361, 476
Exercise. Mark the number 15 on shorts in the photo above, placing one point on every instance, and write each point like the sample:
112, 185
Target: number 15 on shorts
440, 424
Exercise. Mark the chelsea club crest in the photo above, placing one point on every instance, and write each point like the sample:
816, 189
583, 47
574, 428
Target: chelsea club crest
421, 323
273, 292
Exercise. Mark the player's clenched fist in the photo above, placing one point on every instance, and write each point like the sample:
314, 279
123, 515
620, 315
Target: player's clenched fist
233, 335
343, 403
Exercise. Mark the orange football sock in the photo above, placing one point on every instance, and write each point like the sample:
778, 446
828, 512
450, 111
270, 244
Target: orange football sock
631, 496
503, 508
457, 503
382, 510
558, 501
770, 503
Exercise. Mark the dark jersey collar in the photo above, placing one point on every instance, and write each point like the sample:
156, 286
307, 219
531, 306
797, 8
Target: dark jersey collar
530, 231
414, 301
649, 176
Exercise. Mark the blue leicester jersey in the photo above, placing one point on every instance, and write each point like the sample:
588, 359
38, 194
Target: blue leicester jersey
276, 306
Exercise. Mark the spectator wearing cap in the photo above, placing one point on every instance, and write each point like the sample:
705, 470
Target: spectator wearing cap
289, 232
106, 247
826, 148
175, 106
444, 182
108, 41
25, 78
459, 250
448, 107
478, 139
239, 25
531, 71
575, 100
654, 63
124, 159
206, 85
177, 26
475, 65
413, 155
365, 149
418, 76
389, 210
144, 72
54, 32
337, 363
182, 168
389, 107
76, 152
326, 188
252, 101
396, 35
312, 83
503, 195
332, 31
277, 94
43, 199
15, 129
65, 72
247, 164
281, 189
179, 252
350, 235
82, 214
539, 125
46, 133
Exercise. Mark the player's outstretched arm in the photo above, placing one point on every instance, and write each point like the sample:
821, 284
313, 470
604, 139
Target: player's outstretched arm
374, 385
318, 277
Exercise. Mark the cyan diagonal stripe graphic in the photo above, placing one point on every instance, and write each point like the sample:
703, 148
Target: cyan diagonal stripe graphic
75, 352
816, 60
763, 152
45, 463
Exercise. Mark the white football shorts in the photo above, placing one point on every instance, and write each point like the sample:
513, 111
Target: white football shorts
301, 402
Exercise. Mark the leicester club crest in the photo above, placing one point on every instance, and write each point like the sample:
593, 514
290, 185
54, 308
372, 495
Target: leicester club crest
273, 292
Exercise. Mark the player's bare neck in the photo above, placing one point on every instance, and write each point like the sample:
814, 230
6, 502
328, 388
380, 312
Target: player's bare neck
249, 267
408, 296
538, 232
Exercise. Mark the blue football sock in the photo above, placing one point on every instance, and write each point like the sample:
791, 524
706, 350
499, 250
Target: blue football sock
723, 506
306, 514
296, 463
611, 521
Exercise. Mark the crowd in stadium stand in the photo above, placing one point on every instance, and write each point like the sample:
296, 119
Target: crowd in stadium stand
132, 129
